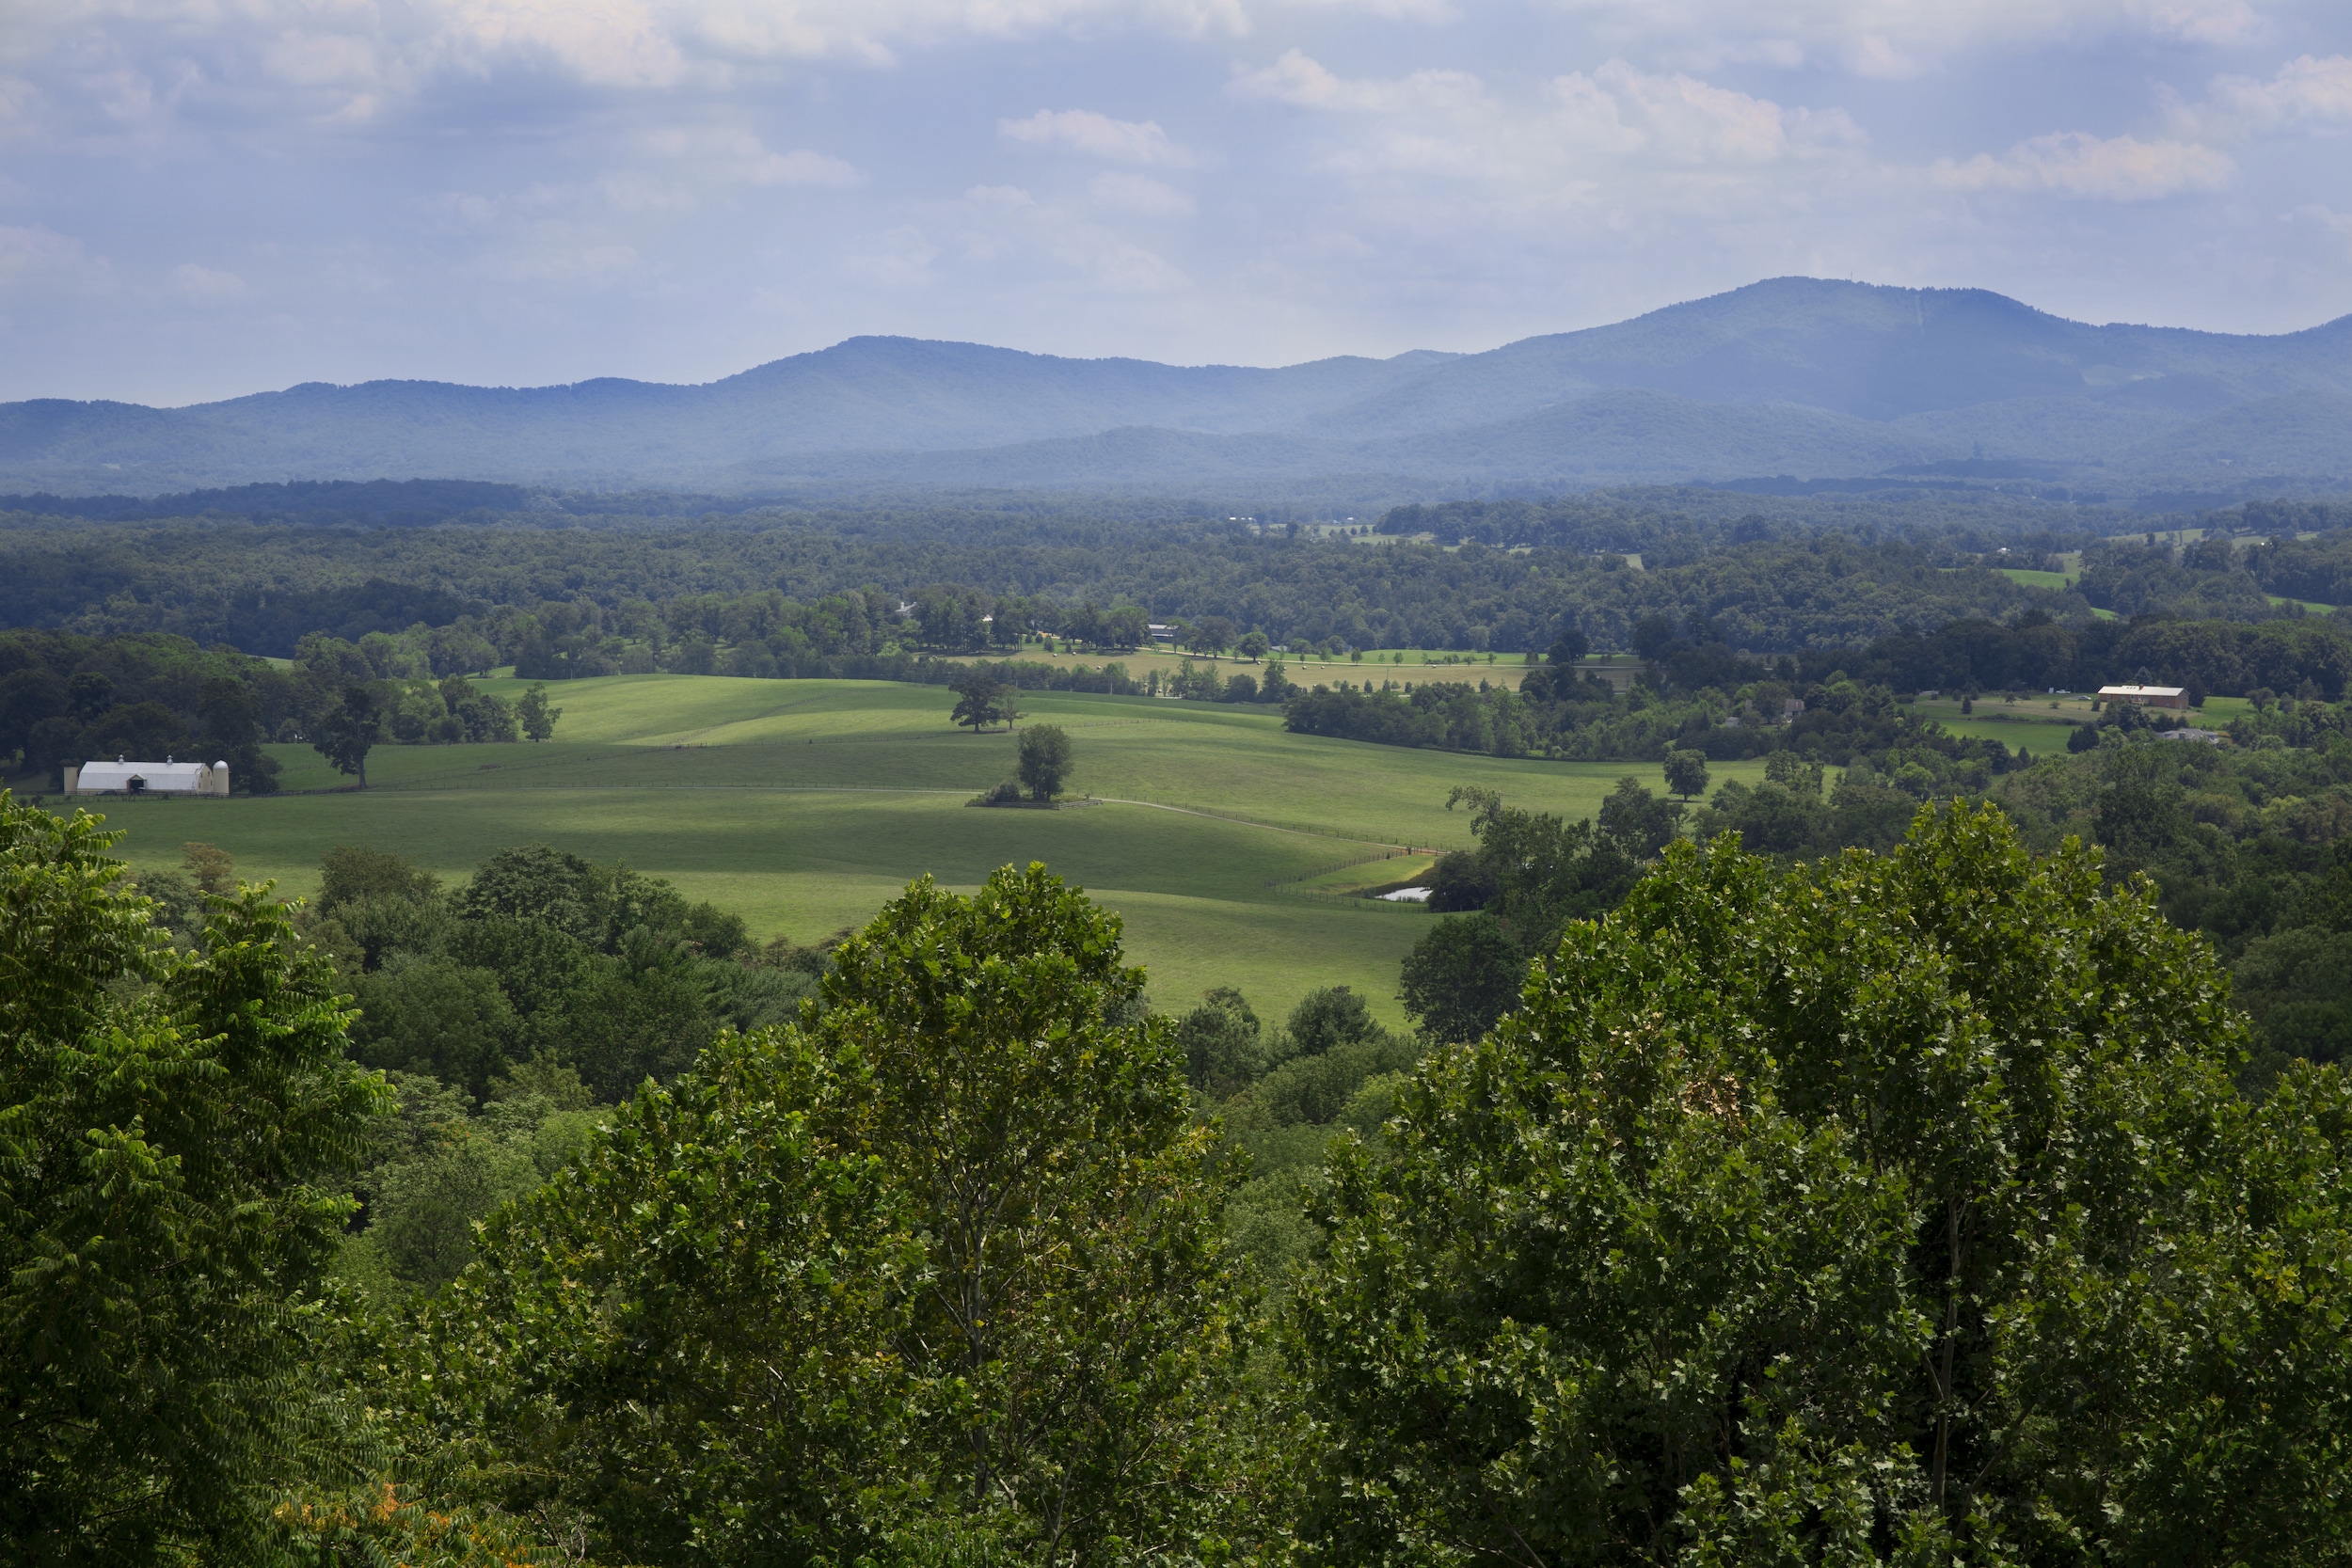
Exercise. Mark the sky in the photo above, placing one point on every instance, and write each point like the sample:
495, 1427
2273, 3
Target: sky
201, 199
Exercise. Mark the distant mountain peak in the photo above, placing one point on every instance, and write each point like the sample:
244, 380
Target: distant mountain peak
1822, 377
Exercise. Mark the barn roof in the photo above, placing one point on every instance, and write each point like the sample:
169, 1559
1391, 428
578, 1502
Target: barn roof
187, 777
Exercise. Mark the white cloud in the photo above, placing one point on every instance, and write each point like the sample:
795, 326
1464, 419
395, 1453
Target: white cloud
111, 65
2075, 164
205, 285
1395, 10
1097, 136
1296, 79
730, 155
1449, 121
2307, 93
1895, 40
1140, 194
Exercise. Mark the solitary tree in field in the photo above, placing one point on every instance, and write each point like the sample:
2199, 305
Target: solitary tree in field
347, 733
1686, 773
982, 702
1253, 646
1044, 760
538, 719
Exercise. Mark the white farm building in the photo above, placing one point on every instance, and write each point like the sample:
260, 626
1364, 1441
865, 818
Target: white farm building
168, 777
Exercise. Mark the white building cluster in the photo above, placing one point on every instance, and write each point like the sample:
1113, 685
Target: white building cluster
168, 777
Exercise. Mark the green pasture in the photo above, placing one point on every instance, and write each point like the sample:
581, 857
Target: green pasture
1220, 838
2039, 723
2036, 579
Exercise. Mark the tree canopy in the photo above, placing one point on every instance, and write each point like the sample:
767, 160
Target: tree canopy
1897, 1209
176, 1131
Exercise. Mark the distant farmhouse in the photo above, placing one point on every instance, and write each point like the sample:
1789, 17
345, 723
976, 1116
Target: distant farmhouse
168, 777
2146, 696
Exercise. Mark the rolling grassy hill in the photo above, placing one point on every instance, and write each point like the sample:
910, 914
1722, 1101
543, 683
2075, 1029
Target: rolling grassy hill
805, 804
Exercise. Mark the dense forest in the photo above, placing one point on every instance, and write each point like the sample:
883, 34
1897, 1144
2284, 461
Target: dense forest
1885, 1209
609, 592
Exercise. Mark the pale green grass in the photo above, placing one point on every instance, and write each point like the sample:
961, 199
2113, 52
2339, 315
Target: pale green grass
2031, 722
807, 805
2310, 606
2036, 579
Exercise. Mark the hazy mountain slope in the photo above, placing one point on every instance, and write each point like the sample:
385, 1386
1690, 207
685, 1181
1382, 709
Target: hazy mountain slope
867, 393
2046, 428
1792, 375
2300, 434
1609, 438
1876, 353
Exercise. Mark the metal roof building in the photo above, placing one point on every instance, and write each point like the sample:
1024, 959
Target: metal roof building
2148, 696
168, 777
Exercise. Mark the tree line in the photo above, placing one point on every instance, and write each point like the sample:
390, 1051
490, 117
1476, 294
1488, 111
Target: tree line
611, 594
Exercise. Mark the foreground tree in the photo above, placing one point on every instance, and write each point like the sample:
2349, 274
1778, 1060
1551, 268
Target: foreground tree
175, 1128
1896, 1210
936, 1271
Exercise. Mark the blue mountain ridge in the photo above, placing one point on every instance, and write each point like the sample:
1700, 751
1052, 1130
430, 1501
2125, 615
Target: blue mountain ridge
1793, 375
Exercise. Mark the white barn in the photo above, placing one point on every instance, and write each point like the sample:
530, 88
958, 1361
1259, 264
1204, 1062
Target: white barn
168, 777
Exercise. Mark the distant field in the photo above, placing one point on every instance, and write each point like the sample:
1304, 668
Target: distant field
2037, 723
805, 804
2036, 579
1307, 669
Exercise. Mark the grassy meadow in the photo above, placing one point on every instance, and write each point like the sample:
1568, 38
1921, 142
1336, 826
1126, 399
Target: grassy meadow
1233, 849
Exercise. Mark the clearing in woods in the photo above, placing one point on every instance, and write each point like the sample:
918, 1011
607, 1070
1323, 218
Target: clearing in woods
1230, 847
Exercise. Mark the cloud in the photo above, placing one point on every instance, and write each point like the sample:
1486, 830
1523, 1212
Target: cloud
205, 286
1686, 120
2308, 93
112, 66
730, 155
1449, 121
1895, 40
1395, 10
2076, 163
1140, 194
33, 251
1298, 80
1121, 141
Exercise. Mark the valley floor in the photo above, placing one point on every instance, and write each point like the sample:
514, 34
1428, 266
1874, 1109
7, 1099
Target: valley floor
1228, 845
